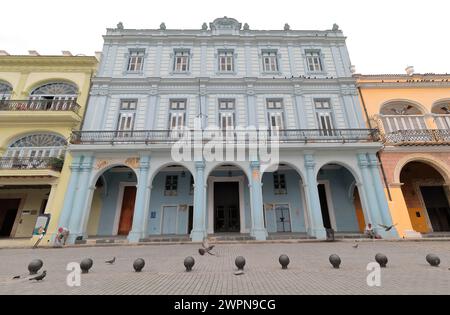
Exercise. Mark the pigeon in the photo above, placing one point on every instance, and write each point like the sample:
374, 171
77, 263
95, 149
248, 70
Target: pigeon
40, 277
111, 262
207, 247
16, 277
355, 245
387, 228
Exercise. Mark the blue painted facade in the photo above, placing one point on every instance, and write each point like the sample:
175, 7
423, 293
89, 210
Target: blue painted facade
312, 84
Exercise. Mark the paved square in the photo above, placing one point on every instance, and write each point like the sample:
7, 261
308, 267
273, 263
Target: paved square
309, 271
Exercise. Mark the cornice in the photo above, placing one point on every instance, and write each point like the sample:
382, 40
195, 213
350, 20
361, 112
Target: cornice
37, 63
403, 85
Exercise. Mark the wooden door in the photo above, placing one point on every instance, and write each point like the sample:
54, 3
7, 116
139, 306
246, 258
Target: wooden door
126, 215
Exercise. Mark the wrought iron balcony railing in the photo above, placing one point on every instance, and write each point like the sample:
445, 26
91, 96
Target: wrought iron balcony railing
418, 136
233, 136
40, 105
10, 163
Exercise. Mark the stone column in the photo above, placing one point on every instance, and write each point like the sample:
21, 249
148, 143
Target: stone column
199, 223
367, 186
258, 231
141, 206
380, 195
316, 228
70, 193
81, 197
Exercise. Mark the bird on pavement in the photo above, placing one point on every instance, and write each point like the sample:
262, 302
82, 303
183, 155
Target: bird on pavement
40, 277
207, 247
111, 262
386, 227
355, 245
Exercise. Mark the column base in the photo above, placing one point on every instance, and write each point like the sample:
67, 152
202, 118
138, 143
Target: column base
320, 233
134, 237
198, 236
259, 234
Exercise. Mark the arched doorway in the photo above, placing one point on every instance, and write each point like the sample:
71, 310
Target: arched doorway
426, 197
171, 201
339, 199
112, 206
228, 200
284, 200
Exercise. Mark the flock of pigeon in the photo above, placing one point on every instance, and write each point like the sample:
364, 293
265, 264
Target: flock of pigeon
189, 262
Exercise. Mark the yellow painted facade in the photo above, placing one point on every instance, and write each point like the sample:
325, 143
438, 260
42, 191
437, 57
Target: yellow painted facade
24, 74
426, 96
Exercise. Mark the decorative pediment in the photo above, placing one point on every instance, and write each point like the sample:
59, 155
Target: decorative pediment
225, 24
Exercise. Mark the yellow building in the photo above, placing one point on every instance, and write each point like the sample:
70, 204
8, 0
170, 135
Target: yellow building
42, 99
412, 112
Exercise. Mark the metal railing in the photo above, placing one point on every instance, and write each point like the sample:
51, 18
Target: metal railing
418, 136
39, 105
233, 136
29, 163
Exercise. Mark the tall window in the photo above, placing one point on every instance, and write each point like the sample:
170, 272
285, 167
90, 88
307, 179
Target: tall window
324, 116
53, 96
279, 184
136, 60
270, 61
314, 61
226, 61
275, 114
5, 92
226, 113
171, 186
181, 61
126, 117
37, 146
177, 117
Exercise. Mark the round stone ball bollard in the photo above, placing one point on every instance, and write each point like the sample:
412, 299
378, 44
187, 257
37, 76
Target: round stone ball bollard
381, 259
34, 266
240, 262
138, 264
189, 263
86, 264
284, 261
433, 260
335, 261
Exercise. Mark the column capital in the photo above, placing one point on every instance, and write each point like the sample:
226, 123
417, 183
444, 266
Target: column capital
255, 164
200, 165
144, 162
310, 163
373, 160
363, 162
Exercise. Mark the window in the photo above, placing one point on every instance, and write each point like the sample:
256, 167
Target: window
226, 114
171, 185
53, 96
177, 117
5, 92
226, 61
275, 114
270, 61
181, 61
324, 116
314, 61
279, 184
136, 60
37, 146
126, 117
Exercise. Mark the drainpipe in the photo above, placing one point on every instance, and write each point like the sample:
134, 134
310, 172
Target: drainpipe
378, 153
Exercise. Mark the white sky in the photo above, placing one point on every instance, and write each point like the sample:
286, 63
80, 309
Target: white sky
384, 36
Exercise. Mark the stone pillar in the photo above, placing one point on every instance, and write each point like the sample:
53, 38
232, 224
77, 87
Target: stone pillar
199, 223
316, 228
141, 206
80, 201
383, 206
258, 231
370, 195
70, 193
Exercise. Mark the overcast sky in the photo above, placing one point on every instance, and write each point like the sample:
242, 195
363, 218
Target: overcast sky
384, 36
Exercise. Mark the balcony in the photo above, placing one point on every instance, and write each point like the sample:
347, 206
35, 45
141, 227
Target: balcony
230, 136
17, 111
418, 137
30, 167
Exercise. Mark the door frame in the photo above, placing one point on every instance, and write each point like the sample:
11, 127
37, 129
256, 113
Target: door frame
162, 218
22, 197
429, 183
273, 206
120, 195
215, 179
331, 212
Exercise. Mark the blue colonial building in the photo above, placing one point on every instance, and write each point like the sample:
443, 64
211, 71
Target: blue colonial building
156, 85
